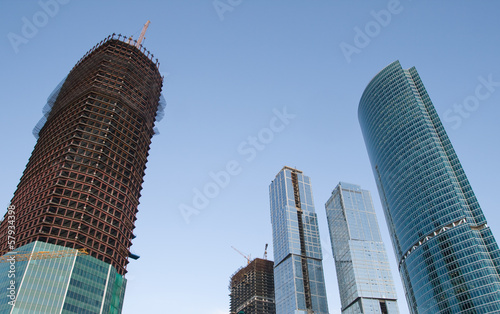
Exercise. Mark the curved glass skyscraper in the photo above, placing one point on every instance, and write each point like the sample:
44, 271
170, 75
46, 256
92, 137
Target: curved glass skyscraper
448, 258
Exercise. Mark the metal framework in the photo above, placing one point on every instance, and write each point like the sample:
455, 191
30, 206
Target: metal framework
303, 256
252, 289
82, 184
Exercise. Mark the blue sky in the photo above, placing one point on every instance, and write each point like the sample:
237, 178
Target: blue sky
231, 70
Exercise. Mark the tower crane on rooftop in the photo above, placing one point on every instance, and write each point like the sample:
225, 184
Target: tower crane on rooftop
248, 257
143, 32
141, 36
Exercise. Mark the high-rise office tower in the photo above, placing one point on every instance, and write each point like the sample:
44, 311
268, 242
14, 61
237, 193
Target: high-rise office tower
363, 271
299, 282
252, 289
448, 258
81, 186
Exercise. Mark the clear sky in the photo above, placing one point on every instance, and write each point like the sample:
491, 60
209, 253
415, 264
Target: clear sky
230, 71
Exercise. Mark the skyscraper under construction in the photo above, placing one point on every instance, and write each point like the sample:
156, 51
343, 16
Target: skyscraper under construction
252, 289
81, 187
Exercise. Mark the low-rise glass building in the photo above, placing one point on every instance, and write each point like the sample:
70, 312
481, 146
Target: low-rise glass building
47, 278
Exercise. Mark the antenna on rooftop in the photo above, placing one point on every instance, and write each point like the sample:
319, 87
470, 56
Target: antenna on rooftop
141, 37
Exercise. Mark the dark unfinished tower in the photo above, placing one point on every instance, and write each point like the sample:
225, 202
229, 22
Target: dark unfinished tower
81, 186
252, 289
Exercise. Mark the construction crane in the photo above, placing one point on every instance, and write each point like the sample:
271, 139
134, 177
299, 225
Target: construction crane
143, 32
248, 258
141, 37
41, 255
265, 252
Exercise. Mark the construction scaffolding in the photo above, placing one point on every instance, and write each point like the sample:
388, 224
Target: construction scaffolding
252, 288
82, 184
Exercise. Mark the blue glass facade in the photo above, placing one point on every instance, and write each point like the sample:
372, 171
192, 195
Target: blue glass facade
448, 259
298, 269
363, 271
67, 284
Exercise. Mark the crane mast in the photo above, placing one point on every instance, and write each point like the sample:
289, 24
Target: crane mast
143, 32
